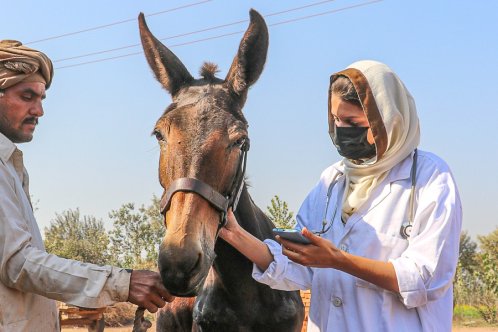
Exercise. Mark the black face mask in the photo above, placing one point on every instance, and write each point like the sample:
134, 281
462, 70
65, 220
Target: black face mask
352, 143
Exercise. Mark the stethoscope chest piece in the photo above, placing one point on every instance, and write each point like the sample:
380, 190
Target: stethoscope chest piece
405, 230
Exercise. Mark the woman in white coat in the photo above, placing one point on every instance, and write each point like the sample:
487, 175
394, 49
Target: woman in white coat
384, 222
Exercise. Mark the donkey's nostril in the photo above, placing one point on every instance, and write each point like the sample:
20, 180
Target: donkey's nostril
197, 264
182, 275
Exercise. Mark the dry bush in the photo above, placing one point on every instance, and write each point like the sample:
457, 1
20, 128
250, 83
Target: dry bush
123, 314
120, 314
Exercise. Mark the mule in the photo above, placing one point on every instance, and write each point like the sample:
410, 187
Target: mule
203, 139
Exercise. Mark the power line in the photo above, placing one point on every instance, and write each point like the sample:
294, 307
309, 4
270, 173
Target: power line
230, 34
140, 52
193, 32
135, 45
227, 34
116, 23
327, 12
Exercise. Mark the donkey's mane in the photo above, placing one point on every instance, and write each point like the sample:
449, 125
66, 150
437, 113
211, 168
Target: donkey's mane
208, 72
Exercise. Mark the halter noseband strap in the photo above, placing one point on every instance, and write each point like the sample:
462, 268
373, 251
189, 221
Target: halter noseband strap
217, 200
196, 186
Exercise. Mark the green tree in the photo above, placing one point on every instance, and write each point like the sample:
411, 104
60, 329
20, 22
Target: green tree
486, 279
488, 259
279, 213
464, 281
467, 252
487, 276
489, 244
136, 235
81, 238
476, 279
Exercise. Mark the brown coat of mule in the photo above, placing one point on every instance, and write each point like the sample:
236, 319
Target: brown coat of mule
201, 135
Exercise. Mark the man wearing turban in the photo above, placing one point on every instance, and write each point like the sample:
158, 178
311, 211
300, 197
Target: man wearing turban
30, 278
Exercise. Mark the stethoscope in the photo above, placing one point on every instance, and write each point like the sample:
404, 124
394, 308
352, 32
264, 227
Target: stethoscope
406, 227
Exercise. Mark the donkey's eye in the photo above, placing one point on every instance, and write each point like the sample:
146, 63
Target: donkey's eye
158, 135
240, 141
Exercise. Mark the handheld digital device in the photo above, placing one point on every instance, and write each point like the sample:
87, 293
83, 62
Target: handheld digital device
293, 235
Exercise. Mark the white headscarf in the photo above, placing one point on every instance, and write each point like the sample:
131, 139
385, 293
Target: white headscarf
392, 116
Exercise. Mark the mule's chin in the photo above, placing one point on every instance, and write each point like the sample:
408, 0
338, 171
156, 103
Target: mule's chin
187, 293
185, 268
185, 289
191, 294
184, 284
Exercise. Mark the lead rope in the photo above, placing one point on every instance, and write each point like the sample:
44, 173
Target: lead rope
140, 324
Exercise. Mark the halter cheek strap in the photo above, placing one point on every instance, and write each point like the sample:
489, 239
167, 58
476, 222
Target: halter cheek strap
217, 200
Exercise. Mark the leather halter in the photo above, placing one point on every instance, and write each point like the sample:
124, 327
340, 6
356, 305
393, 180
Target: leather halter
216, 199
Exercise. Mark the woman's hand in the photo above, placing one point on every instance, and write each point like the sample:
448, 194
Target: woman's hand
247, 244
322, 253
227, 232
319, 253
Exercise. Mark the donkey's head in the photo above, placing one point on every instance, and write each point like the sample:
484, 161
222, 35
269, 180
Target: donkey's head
203, 138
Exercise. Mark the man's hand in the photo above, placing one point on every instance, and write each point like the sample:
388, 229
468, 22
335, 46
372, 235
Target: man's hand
147, 290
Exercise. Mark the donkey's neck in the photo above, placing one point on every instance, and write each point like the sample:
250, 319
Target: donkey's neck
251, 218
253, 305
231, 264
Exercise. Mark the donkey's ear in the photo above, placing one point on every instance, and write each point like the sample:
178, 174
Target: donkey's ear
251, 57
167, 68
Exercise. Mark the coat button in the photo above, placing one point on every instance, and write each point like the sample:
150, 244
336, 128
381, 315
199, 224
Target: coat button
337, 302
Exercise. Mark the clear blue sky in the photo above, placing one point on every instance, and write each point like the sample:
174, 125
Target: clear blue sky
93, 148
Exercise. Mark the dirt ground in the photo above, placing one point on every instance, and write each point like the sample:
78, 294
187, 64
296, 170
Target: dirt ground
474, 329
113, 329
107, 329
153, 329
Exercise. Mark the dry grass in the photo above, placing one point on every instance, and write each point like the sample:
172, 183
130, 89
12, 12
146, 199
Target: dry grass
118, 318
107, 329
120, 314
474, 329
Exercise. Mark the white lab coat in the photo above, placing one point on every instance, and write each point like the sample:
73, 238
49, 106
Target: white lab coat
425, 263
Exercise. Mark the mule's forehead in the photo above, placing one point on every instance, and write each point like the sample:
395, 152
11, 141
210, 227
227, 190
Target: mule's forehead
206, 104
194, 94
